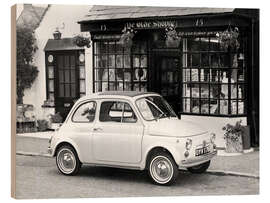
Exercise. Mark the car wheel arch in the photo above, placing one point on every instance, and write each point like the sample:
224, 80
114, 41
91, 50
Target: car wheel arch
155, 150
60, 144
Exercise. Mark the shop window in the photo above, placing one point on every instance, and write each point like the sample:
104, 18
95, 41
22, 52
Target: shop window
120, 68
213, 80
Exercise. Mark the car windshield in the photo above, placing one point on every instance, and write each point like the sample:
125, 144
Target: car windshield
154, 107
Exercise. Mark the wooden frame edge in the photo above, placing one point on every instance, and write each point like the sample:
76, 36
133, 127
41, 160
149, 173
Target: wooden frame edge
13, 101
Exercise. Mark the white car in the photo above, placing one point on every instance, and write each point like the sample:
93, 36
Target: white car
132, 130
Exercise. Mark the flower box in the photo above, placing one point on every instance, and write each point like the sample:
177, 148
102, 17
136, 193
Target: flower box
237, 138
234, 146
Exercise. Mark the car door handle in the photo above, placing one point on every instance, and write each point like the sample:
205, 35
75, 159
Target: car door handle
97, 129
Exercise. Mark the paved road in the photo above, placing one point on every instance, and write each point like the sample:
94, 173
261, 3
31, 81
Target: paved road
38, 177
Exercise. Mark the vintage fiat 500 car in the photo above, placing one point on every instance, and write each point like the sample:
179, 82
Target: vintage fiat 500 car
131, 130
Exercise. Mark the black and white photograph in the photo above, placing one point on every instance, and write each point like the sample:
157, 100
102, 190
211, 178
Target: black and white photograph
135, 101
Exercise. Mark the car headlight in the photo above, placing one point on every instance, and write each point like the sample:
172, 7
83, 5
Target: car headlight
188, 144
213, 138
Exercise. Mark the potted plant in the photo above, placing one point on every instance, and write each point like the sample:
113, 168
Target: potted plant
56, 121
126, 39
236, 137
172, 37
229, 38
82, 41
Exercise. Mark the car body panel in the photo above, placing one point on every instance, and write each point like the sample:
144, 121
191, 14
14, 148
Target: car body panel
127, 145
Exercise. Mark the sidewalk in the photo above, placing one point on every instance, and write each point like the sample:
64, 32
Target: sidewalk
247, 164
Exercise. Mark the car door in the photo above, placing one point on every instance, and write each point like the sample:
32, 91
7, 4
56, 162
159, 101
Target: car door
80, 128
118, 133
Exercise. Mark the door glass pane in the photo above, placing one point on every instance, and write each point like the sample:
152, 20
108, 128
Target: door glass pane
72, 61
67, 75
61, 76
67, 90
85, 113
73, 90
61, 90
66, 62
73, 76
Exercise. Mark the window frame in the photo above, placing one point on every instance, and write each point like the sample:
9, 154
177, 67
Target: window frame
78, 106
131, 70
117, 101
219, 70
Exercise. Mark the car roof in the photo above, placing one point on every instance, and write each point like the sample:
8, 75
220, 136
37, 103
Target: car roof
117, 94
125, 93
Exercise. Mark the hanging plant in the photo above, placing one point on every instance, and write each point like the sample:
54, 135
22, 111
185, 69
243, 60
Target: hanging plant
82, 41
229, 38
126, 39
172, 37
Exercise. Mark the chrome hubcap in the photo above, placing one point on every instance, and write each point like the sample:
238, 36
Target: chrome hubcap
66, 161
161, 169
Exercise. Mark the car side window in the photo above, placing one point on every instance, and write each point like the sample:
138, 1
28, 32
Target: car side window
114, 111
85, 113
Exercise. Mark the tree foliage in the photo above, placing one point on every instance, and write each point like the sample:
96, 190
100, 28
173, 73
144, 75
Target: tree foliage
26, 72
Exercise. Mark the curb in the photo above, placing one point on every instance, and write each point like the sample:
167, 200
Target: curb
32, 154
212, 172
35, 135
232, 173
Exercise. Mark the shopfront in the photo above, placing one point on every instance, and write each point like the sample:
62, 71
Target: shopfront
197, 72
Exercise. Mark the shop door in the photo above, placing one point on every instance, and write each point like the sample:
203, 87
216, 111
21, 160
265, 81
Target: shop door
166, 79
67, 86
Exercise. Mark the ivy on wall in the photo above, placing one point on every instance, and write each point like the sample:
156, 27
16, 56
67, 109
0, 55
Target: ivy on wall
26, 72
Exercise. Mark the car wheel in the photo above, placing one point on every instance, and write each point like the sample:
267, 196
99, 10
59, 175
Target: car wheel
199, 168
162, 169
67, 160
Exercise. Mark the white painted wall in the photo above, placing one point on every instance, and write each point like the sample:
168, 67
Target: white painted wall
214, 124
19, 9
65, 17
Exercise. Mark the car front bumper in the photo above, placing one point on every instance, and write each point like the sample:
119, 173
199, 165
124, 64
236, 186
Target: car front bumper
194, 161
